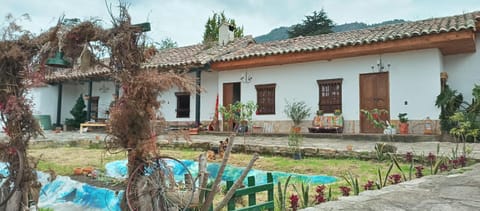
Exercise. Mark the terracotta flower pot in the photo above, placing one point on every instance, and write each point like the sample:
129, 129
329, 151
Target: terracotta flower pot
296, 129
77, 171
193, 131
403, 128
87, 170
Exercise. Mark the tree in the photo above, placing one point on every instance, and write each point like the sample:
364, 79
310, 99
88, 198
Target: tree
166, 44
78, 112
213, 24
316, 24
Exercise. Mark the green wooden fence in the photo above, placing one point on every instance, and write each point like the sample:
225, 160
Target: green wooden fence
251, 190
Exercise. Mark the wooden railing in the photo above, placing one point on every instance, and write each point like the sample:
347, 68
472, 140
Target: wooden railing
251, 190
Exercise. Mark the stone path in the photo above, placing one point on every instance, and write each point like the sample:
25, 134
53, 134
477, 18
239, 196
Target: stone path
322, 143
457, 191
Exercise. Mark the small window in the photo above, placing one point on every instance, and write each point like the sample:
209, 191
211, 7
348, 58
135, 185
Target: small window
330, 95
183, 104
265, 98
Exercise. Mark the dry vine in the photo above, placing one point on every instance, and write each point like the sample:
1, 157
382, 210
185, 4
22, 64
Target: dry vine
17, 50
131, 116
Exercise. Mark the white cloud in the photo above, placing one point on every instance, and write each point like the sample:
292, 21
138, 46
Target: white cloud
184, 20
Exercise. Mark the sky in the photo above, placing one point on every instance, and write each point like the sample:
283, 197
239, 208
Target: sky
183, 20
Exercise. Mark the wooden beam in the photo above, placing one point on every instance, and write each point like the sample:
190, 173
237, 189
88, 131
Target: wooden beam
448, 43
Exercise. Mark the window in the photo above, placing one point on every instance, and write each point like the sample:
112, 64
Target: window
330, 95
183, 104
265, 98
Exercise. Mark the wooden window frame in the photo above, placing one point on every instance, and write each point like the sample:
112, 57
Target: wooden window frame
330, 94
269, 108
182, 113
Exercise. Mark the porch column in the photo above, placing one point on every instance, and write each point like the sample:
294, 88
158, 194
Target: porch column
117, 88
59, 104
197, 97
89, 102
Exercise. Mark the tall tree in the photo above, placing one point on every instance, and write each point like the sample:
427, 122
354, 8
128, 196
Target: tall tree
213, 24
166, 44
316, 24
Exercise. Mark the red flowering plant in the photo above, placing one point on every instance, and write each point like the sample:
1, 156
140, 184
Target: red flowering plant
294, 202
345, 190
395, 178
320, 197
409, 158
378, 117
419, 170
369, 185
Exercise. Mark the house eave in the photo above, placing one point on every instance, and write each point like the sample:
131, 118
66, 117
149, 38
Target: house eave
448, 43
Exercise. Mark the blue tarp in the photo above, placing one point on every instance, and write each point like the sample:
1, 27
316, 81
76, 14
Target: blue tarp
118, 169
66, 194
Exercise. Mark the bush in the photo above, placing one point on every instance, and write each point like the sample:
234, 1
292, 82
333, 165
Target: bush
78, 113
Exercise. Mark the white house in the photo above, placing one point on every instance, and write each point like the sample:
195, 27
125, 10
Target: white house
395, 67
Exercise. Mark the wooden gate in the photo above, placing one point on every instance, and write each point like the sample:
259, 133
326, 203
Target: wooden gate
374, 93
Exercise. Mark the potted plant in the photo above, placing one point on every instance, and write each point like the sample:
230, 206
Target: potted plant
294, 142
402, 117
240, 114
297, 111
337, 112
319, 112
193, 129
374, 116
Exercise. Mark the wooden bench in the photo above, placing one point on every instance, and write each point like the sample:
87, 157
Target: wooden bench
91, 124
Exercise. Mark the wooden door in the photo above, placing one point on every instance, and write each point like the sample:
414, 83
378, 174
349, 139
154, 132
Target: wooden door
374, 93
94, 107
231, 95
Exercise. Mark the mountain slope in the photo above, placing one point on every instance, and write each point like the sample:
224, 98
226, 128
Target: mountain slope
281, 33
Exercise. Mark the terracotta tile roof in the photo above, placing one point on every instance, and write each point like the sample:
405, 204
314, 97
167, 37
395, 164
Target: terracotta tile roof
65, 74
175, 58
357, 37
195, 54
245, 47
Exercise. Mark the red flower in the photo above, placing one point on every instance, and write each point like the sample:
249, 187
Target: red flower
395, 178
345, 190
419, 172
369, 185
409, 157
294, 202
431, 157
462, 160
320, 189
320, 197
443, 167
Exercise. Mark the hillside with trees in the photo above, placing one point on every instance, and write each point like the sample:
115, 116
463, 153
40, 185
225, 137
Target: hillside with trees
281, 33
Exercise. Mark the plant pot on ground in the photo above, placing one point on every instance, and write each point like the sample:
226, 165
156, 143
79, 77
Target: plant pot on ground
294, 142
402, 117
297, 111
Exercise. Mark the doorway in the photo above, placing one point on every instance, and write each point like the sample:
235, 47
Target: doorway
374, 93
231, 95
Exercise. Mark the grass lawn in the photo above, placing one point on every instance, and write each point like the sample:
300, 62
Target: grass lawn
63, 160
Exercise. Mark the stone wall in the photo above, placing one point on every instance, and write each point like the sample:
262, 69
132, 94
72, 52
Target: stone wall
349, 126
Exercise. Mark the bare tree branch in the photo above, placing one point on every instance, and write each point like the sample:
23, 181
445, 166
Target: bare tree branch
237, 184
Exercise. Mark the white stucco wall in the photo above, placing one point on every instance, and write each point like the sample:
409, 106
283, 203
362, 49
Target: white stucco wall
464, 71
45, 98
209, 81
414, 77
45, 101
